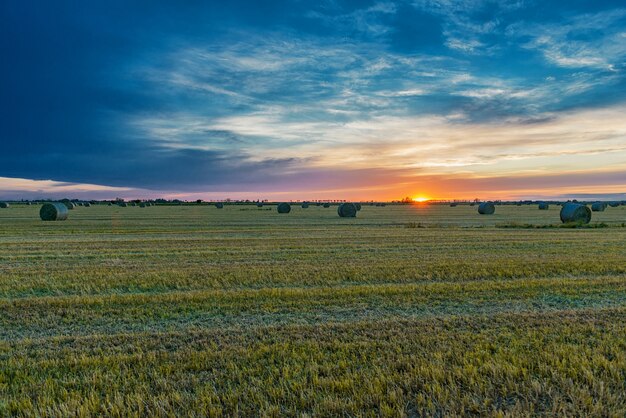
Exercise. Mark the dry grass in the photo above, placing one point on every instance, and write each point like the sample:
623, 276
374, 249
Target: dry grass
401, 311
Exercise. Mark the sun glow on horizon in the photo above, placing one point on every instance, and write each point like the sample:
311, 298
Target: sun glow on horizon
421, 199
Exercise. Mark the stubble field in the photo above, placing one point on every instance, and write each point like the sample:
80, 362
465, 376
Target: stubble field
402, 311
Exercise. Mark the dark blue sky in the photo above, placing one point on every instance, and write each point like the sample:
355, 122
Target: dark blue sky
313, 97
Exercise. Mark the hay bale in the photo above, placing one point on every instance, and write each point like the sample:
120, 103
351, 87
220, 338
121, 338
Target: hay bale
87, 204
219, 205
122, 204
598, 206
326, 205
574, 212
544, 206
259, 204
347, 210
283, 207
613, 204
55, 211
68, 204
109, 204
142, 205
453, 205
4, 205
305, 205
486, 208
358, 206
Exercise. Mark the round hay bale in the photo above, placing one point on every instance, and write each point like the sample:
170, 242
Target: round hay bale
79, 203
358, 206
305, 205
219, 205
69, 205
544, 206
326, 205
4, 205
259, 204
347, 210
453, 205
55, 211
486, 208
122, 204
574, 212
283, 207
614, 204
87, 204
109, 204
598, 206
142, 205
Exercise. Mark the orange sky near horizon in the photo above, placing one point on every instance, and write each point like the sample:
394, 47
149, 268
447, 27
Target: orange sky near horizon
381, 186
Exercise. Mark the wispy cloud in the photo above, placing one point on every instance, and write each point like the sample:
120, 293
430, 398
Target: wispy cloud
18, 188
365, 20
582, 41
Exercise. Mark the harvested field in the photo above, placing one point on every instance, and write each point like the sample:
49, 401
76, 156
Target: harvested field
404, 310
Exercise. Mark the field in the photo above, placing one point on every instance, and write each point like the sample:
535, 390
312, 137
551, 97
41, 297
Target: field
402, 311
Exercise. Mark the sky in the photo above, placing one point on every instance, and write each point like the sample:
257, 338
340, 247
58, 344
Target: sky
329, 99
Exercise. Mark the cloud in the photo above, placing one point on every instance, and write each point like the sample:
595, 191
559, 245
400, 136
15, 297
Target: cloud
367, 21
582, 41
18, 188
440, 143
207, 98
